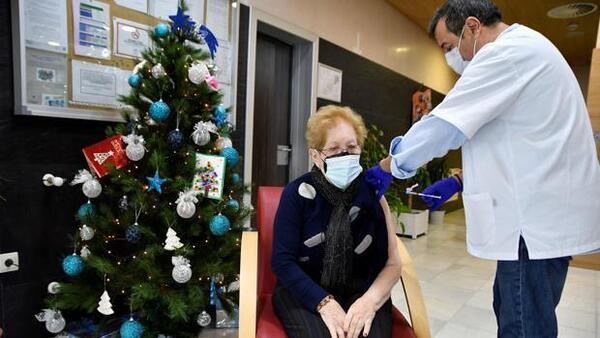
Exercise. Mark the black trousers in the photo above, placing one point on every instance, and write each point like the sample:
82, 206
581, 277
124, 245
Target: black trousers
299, 322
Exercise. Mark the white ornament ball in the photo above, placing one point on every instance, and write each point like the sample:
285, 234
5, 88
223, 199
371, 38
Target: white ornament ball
53, 288
92, 188
86, 233
198, 72
203, 319
186, 209
201, 137
135, 152
158, 71
50, 180
85, 252
223, 142
56, 323
182, 273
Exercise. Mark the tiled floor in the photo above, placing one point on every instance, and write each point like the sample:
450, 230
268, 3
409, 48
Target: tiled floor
458, 288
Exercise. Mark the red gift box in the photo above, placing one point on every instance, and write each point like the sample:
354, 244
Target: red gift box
101, 154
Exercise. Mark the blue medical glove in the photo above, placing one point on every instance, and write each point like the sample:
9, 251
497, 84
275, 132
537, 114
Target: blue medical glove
445, 188
378, 179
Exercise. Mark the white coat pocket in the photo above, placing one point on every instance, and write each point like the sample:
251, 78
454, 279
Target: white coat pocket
479, 212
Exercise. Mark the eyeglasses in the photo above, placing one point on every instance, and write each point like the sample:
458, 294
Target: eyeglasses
351, 149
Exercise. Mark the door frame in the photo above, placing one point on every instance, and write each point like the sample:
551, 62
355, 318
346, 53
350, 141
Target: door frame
305, 57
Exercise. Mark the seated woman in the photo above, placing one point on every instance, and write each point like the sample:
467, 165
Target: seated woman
334, 244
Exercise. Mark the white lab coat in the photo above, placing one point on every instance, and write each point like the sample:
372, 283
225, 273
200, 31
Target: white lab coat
530, 166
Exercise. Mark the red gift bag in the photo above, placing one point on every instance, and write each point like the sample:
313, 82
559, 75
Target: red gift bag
101, 154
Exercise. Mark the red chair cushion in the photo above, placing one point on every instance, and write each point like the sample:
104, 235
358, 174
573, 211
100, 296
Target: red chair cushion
400, 326
268, 325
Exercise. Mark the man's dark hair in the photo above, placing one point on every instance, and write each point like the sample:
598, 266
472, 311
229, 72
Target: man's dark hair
457, 11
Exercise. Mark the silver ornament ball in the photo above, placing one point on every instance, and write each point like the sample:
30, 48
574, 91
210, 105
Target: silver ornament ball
223, 142
53, 288
204, 319
92, 188
201, 137
197, 73
86, 233
186, 209
56, 323
158, 71
135, 152
182, 273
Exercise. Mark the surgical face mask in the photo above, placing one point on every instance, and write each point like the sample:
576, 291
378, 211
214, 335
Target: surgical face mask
341, 170
455, 60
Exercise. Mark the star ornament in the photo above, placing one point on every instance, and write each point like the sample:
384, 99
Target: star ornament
155, 182
181, 21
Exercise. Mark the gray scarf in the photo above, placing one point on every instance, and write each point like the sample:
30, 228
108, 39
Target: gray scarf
337, 262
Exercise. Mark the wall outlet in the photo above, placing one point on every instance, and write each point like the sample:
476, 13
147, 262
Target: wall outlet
9, 262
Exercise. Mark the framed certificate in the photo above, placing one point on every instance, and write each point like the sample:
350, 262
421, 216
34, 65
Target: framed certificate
130, 38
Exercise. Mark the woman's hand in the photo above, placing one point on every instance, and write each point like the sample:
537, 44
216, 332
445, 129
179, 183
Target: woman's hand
360, 317
333, 315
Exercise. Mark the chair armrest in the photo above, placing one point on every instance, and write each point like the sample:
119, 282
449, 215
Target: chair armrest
248, 284
413, 294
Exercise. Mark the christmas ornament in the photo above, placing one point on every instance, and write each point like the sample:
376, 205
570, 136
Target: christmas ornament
172, 242
104, 305
198, 72
159, 111
210, 39
158, 71
132, 234
54, 320
131, 329
86, 210
233, 204
235, 178
218, 277
223, 142
186, 207
156, 182
50, 180
139, 66
220, 115
175, 139
73, 265
91, 187
203, 319
231, 155
182, 22
219, 225
123, 203
85, 252
182, 270
104, 154
86, 233
54, 288
161, 30
201, 135
212, 82
134, 80
134, 150
213, 293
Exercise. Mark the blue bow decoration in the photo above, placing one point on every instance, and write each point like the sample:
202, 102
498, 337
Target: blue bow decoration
210, 39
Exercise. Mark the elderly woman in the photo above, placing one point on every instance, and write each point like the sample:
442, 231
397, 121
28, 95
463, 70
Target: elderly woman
334, 244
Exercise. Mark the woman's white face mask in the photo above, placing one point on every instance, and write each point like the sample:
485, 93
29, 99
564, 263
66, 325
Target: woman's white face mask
341, 171
455, 60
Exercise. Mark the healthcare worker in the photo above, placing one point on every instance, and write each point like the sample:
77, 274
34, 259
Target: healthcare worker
530, 169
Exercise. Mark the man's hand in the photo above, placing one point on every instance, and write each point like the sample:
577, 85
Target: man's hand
379, 177
445, 188
360, 317
333, 315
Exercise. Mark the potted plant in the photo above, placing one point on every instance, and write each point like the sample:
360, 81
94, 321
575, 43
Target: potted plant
416, 218
437, 171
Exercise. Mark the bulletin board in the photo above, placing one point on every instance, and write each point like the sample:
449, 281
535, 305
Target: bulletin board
73, 57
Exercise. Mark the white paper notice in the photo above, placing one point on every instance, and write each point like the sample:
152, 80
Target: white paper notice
46, 77
46, 25
91, 28
97, 84
223, 62
131, 38
163, 8
138, 5
217, 18
329, 85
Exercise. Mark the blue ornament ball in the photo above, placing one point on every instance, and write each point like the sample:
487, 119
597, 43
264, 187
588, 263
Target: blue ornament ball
159, 111
73, 265
134, 80
231, 155
220, 115
131, 329
219, 225
86, 210
233, 204
132, 234
235, 178
175, 139
161, 30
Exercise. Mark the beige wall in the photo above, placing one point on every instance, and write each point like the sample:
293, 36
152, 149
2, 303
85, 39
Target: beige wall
371, 28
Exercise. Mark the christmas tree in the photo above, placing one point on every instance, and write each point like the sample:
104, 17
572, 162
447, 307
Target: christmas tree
157, 239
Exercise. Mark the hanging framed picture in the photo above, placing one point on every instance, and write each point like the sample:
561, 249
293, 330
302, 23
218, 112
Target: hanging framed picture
210, 175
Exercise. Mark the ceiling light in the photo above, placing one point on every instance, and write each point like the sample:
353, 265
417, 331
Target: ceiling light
572, 10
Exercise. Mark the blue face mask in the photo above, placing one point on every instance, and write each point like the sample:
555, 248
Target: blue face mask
341, 170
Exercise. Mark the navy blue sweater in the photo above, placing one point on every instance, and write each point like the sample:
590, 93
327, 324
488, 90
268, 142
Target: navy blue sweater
299, 234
